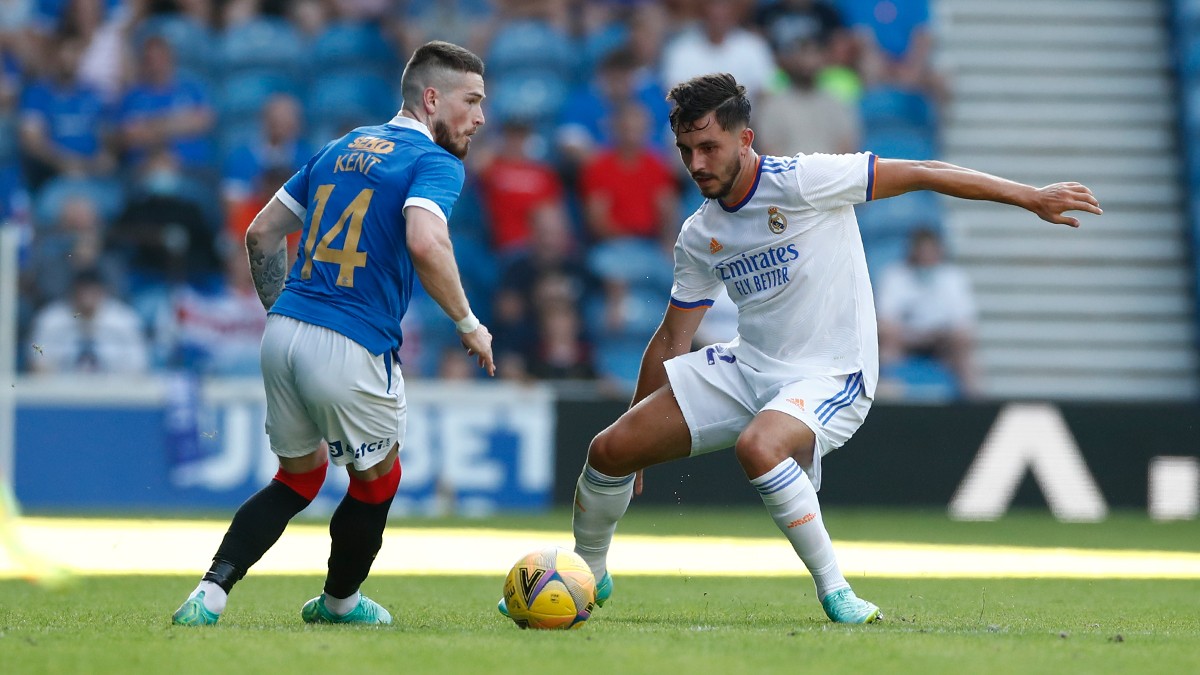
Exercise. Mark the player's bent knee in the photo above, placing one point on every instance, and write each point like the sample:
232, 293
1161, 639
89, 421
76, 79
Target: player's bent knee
605, 455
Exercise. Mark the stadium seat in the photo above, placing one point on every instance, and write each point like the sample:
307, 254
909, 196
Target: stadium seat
262, 43
107, 195
341, 100
886, 106
898, 216
525, 45
900, 141
923, 380
242, 95
536, 96
618, 360
356, 45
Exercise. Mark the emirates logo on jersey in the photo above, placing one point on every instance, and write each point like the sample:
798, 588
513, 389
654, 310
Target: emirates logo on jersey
714, 246
776, 220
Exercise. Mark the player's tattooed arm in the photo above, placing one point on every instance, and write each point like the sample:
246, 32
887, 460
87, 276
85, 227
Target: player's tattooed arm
268, 268
266, 247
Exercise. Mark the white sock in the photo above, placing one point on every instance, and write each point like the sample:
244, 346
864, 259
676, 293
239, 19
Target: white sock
215, 597
792, 502
600, 501
342, 606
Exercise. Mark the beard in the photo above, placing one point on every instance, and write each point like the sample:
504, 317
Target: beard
723, 187
443, 137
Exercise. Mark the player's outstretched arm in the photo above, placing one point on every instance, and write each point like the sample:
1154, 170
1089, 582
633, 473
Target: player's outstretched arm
1050, 203
428, 240
266, 246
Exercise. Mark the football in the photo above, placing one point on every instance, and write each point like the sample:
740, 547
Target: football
550, 588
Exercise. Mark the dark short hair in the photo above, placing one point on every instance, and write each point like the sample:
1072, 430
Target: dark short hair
431, 57
715, 92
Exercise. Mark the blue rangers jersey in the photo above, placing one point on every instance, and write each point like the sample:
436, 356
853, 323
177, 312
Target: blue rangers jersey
353, 273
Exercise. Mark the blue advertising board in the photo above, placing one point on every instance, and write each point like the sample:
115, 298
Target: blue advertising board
173, 445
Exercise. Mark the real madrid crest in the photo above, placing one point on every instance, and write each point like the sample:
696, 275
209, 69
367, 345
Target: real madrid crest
775, 220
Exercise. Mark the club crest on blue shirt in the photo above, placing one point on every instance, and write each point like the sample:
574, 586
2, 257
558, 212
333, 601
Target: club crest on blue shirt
776, 220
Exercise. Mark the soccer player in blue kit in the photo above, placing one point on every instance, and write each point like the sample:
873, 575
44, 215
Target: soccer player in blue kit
373, 207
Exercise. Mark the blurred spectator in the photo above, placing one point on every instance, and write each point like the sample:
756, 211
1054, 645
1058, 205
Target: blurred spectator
217, 332
253, 169
803, 118
163, 231
311, 17
587, 122
514, 185
549, 265
163, 110
897, 44
718, 44
101, 29
453, 365
926, 310
62, 122
73, 244
788, 22
561, 353
89, 332
629, 191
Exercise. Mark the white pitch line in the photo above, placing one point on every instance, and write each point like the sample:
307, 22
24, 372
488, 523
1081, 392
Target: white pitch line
96, 547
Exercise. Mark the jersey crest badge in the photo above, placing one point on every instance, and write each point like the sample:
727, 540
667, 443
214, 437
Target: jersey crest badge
776, 220
714, 246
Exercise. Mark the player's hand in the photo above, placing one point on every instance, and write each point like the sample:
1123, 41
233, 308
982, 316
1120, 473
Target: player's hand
1052, 201
478, 343
637, 483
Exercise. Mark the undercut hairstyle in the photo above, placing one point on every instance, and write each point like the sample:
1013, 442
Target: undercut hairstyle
716, 92
430, 65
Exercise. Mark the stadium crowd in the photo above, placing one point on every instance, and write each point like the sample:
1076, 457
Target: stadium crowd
138, 138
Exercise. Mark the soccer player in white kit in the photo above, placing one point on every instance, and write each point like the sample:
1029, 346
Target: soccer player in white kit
779, 233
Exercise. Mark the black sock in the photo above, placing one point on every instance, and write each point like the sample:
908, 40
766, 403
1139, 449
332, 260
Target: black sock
356, 531
256, 527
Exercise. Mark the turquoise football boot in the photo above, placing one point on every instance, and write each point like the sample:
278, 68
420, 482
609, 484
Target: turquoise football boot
845, 607
366, 611
193, 613
603, 592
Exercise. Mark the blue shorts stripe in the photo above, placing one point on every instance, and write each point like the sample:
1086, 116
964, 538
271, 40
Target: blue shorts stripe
836, 398
858, 387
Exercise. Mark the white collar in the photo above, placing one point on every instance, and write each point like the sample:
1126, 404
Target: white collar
409, 123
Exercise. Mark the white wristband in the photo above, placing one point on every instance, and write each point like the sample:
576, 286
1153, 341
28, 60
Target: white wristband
468, 323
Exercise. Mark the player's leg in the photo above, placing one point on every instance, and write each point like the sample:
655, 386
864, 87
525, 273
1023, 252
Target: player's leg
357, 401
778, 450
261, 519
356, 535
703, 408
649, 433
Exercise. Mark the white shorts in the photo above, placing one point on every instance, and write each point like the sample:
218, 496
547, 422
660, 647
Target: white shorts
321, 384
719, 396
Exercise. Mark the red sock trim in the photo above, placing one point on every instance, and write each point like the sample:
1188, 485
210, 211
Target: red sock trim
376, 491
306, 485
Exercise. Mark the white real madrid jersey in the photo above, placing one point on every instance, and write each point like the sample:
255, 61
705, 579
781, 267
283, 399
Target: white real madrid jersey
791, 258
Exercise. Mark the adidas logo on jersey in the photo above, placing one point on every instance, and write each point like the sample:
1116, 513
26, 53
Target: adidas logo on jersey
714, 246
798, 402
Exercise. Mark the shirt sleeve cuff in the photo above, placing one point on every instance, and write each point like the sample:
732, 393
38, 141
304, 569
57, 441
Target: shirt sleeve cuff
427, 204
290, 202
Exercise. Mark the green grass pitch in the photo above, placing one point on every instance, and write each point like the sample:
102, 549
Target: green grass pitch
666, 624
